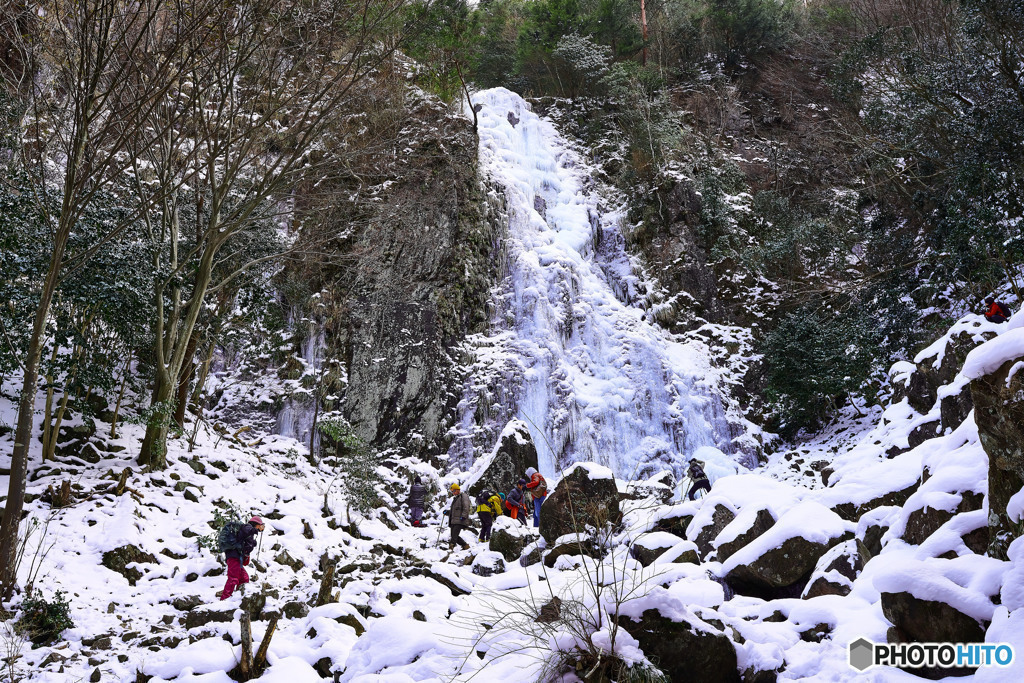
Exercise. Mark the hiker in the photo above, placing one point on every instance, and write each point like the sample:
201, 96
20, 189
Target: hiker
699, 477
417, 493
997, 312
537, 487
488, 506
459, 514
237, 540
514, 502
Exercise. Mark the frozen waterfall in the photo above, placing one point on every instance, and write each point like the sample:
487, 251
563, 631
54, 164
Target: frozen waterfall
569, 351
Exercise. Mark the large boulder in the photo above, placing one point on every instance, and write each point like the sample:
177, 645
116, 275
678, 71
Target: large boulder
835, 571
509, 537
897, 496
779, 562
999, 414
709, 528
512, 455
747, 526
935, 368
674, 520
928, 621
488, 564
685, 650
926, 520
572, 545
648, 547
586, 496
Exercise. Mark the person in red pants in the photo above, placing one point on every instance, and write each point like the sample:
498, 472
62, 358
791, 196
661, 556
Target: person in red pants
237, 541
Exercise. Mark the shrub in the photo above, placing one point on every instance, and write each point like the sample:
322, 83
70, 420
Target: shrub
356, 460
815, 358
43, 621
226, 512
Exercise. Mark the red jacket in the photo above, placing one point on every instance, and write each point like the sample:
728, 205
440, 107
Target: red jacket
537, 480
997, 309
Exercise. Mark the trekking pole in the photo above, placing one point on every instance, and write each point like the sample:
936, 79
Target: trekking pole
682, 489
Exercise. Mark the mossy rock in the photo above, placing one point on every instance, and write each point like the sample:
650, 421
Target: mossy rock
118, 559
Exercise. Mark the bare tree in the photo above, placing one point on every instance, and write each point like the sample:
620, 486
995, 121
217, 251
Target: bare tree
261, 107
88, 74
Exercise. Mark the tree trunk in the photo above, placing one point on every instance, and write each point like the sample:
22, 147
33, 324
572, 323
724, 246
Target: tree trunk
323, 596
51, 446
120, 397
185, 377
23, 432
153, 453
154, 446
48, 405
260, 661
245, 670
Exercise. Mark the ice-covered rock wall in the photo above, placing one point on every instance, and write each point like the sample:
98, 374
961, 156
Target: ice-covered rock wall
570, 351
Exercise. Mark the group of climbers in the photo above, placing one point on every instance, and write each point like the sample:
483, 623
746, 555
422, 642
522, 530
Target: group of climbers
529, 492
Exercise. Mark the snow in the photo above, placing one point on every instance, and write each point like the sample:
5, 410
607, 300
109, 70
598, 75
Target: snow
988, 357
810, 520
592, 379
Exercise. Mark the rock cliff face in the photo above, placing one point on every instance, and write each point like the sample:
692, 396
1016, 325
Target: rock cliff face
413, 280
999, 413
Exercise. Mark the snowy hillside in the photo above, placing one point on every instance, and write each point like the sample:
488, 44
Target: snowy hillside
404, 608
733, 288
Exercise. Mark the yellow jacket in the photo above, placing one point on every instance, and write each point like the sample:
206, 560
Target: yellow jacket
493, 506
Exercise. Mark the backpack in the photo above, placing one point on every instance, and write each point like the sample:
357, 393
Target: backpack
541, 489
483, 497
227, 539
496, 504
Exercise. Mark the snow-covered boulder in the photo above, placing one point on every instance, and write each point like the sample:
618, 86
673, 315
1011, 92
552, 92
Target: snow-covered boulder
997, 372
929, 621
835, 572
938, 600
585, 496
488, 564
674, 519
748, 525
569, 545
648, 547
923, 521
509, 537
499, 470
124, 561
685, 647
707, 524
787, 553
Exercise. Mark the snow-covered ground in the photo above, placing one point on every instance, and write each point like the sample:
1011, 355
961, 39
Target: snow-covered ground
592, 375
